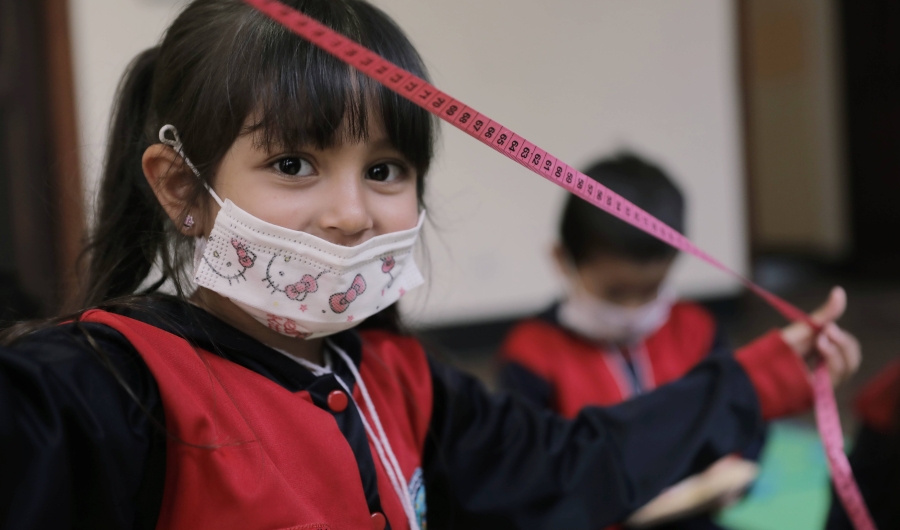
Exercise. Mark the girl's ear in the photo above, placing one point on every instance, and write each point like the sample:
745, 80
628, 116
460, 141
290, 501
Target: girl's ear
173, 182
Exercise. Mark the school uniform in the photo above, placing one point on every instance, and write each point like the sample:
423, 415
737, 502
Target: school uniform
875, 455
556, 368
220, 431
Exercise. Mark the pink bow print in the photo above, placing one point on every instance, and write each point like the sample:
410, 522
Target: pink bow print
245, 257
341, 301
306, 285
387, 265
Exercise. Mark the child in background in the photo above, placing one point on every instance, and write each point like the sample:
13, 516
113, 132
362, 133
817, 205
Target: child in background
620, 332
279, 193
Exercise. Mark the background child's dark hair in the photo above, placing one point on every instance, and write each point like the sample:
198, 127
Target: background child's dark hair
587, 232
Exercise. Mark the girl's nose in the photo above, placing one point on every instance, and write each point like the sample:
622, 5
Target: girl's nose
346, 219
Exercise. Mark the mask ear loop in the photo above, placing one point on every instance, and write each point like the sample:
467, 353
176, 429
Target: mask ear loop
175, 143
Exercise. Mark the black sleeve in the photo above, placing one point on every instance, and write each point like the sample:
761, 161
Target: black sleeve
875, 460
497, 462
520, 381
721, 346
75, 445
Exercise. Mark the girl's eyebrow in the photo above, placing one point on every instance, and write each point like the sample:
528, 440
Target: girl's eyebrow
274, 146
382, 143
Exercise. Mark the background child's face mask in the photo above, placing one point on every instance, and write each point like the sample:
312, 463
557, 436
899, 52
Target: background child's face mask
295, 283
603, 321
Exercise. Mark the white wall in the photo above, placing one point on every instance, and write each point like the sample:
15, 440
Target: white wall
107, 35
579, 78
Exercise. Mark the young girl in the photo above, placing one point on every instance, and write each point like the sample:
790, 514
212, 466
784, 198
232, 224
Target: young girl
279, 194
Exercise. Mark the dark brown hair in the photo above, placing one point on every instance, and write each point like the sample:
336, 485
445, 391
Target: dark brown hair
220, 66
587, 232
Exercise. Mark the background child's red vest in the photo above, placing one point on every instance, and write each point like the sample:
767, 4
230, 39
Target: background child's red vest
877, 403
247, 453
579, 374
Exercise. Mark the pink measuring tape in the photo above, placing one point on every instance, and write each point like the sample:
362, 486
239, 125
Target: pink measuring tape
529, 155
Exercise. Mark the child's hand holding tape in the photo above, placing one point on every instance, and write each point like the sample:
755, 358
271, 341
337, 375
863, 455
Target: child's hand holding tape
839, 349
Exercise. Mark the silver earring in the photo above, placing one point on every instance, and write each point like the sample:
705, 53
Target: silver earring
189, 221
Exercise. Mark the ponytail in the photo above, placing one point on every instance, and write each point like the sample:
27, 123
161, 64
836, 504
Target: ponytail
130, 234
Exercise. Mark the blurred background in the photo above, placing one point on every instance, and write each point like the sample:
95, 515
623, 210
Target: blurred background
779, 119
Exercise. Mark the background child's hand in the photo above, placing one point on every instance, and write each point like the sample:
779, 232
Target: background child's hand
719, 486
839, 349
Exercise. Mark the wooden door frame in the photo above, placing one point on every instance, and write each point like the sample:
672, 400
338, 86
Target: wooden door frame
68, 189
43, 177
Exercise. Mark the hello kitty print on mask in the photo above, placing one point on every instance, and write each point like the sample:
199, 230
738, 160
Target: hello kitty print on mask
387, 265
231, 265
341, 301
301, 289
310, 287
278, 274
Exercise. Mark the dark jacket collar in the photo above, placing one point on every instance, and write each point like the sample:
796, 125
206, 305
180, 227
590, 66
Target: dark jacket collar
549, 315
209, 333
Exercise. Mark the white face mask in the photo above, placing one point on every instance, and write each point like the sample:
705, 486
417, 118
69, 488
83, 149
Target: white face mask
603, 321
295, 283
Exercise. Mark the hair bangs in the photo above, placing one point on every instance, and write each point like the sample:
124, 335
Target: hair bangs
297, 95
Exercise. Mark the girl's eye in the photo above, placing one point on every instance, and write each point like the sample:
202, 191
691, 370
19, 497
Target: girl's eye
384, 172
294, 166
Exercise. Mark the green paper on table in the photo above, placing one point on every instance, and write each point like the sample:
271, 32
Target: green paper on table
793, 488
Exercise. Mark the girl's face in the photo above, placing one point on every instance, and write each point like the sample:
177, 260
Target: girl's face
345, 194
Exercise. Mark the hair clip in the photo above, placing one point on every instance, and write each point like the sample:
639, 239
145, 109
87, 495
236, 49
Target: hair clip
189, 221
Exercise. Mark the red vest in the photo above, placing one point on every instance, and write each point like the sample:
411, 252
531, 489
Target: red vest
581, 373
877, 403
269, 458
